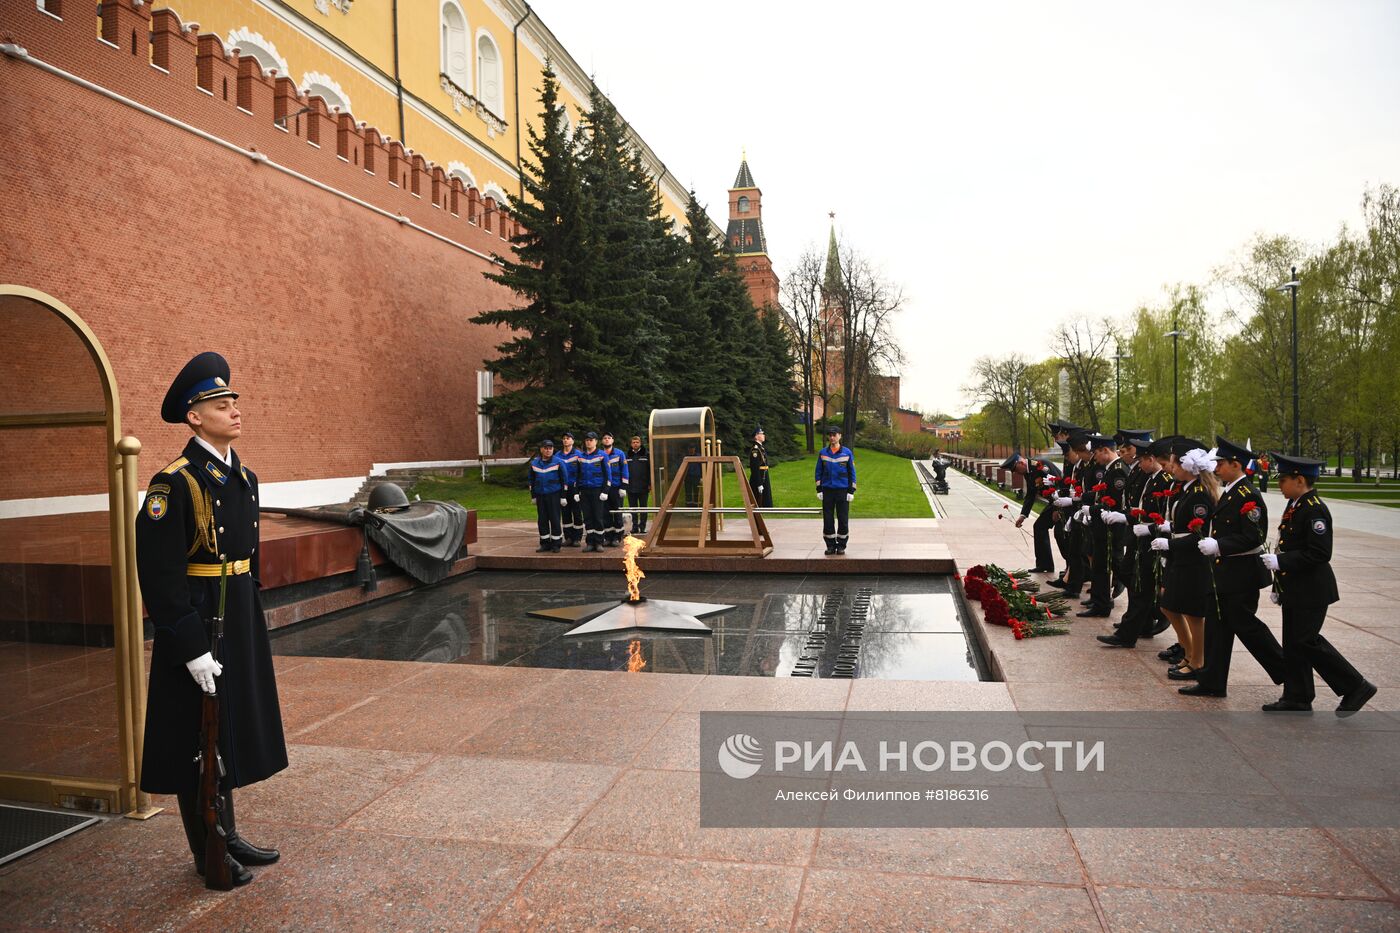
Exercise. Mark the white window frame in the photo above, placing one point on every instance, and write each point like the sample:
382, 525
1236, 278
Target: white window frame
463, 80
498, 104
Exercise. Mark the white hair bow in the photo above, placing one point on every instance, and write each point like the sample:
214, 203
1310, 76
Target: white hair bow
1198, 461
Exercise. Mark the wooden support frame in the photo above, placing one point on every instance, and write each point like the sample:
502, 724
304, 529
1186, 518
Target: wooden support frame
665, 539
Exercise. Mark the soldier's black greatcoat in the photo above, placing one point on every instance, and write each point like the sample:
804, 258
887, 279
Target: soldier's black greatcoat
196, 509
758, 475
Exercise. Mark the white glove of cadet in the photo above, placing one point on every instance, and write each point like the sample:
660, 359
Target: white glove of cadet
1273, 598
1160, 544
1270, 561
1209, 547
1165, 527
564, 501
204, 669
850, 496
603, 496
1141, 531
1062, 501
1114, 518
575, 497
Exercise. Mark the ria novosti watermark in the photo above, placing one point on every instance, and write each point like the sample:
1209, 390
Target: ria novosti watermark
1048, 769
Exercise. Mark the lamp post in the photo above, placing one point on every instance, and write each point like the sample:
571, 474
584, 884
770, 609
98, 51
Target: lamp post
1118, 389
1174, 334
1291, 286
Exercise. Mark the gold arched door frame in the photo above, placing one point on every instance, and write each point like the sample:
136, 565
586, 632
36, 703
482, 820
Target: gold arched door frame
128, 635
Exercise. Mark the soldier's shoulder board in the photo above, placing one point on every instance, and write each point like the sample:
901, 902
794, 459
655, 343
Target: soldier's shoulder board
176, 465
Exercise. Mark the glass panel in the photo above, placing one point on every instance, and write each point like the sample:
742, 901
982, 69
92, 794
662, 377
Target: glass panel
58, 711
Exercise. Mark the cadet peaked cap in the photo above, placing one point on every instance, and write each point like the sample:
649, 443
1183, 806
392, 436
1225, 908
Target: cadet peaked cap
1302, 466
1063, 427
205, 377
1079, 438
1228, 450
1010, 462
1140, 444
1124, 435
1098, 441
1182, 445
1161, 447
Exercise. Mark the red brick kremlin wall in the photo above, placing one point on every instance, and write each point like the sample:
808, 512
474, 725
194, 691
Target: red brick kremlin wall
347, 331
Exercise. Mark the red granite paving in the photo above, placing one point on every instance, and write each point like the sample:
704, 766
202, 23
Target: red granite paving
435, 796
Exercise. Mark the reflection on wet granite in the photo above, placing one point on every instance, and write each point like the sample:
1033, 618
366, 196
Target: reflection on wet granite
915, 629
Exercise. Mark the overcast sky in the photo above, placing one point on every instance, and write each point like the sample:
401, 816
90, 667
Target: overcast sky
1011, 164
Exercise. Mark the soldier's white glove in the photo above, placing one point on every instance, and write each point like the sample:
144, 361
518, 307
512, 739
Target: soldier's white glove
1063, 501
1209, 547
204, 669
760, 489
603, 496
1165, 527
850, 496
1142, 531
1160, 544
1274, 598
1270, 561
1114, 518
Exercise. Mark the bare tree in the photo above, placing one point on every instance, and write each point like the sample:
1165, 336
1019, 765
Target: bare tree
1005, 387
802, 299
866, 303
1083, 346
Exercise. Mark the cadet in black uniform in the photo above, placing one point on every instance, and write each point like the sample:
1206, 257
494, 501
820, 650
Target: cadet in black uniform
1187, 594
1139, 566
1306, 587
1107, 504
1239, 528
1041, 480
1067, 506
758, 471
639, 483
1061, 431
200, 512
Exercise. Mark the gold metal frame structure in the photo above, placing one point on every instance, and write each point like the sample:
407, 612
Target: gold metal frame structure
703, 539
128, 635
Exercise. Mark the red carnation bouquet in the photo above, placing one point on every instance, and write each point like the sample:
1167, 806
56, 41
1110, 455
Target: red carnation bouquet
1108, 502
1008, 598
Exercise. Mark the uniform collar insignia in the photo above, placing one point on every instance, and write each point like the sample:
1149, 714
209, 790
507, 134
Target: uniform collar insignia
213, 470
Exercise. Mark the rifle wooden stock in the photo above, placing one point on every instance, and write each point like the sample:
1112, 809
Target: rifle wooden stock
217, 874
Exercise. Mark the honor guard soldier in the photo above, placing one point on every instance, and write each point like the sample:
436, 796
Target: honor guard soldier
200, 516
572, 512
1041, 478
638, 483
591, 482
549, 489
758, 471
1238, 530
836, 487
617, 491
1105, 501
1306, 586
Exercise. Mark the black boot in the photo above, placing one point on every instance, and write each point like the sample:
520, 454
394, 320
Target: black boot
240, 848
543, 548
195, 835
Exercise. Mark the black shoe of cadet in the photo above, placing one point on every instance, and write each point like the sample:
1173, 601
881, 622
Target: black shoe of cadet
1286, 706
1353, 701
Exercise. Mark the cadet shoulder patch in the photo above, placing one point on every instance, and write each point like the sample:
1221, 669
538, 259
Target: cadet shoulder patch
1118, 483
158, 489
1255, 515
1320, 527
156, 506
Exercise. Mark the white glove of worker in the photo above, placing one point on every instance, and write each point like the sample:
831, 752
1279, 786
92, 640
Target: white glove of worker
1270, 561
1142, 531
534, 500
1273, 598
1115, 518
1160, 544
1062, 501
819, 493
1209, 547
850, 496
603, 496
204, 669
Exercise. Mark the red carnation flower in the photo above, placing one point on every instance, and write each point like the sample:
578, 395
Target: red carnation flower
1109, 501
1137, 513
1100, 487
1196, 524
978, 572
1248, 507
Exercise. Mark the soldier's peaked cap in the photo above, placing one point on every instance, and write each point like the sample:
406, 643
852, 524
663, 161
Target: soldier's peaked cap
1228, 450
205, 377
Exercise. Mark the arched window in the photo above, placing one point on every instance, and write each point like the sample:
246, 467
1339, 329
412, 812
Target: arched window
251, 43
326, 88
743, 204
488, 72
456, 45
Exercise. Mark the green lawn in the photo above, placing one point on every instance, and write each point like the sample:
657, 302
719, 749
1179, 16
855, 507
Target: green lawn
887, 487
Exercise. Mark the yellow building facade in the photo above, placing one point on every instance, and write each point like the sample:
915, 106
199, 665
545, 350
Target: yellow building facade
456, 81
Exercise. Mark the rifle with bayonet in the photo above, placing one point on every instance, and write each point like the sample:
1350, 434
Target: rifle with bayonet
218, 874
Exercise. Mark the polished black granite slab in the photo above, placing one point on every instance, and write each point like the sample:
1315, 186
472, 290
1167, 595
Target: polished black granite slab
906, 627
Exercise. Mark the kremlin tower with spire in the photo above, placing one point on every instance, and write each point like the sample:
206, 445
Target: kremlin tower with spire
744, 239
